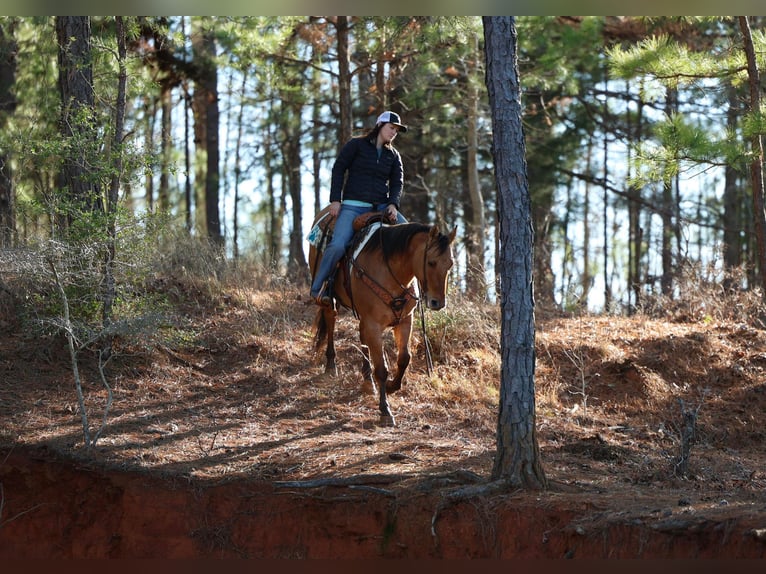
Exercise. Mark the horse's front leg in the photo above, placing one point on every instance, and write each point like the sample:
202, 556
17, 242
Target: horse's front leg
402, 334
368, 385
372, 337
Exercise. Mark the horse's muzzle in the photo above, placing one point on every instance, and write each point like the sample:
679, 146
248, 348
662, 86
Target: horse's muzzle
435, 304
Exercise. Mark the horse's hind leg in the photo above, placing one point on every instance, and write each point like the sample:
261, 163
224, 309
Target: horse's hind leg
328, 314
402, 334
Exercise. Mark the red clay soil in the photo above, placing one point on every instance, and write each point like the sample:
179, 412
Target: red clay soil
64, 510
236, 445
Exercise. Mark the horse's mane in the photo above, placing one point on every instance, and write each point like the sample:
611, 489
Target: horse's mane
396, 238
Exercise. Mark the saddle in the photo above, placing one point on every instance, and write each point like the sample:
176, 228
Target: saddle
321, 233
365, 219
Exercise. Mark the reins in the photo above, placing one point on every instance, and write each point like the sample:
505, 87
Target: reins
429, 362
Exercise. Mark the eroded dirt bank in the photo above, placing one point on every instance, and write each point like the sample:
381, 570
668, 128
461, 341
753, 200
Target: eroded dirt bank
55, 509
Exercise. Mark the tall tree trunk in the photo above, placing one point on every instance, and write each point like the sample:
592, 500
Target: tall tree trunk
275, 213
518, 456
8, 50
206, 124
316, 155
567, 248
112, 197
756, 166
476, 282
291, 155
586, 279
150, 117
605, 207
238, 167
344, 81
166, 143
77, 109
188, 188
668, 210
209, 86
187, 96
732, 200
635, 234
380, 77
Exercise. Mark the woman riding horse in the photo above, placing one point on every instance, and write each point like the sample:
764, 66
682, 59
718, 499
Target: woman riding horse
375, 180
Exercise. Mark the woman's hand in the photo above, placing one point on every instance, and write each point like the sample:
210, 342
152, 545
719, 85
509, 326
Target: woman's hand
334, 208
391, 213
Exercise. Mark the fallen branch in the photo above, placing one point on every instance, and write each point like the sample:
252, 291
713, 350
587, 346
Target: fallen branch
342, 481
459, 475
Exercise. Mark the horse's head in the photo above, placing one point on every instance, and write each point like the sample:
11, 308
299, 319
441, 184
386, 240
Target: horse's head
437, 261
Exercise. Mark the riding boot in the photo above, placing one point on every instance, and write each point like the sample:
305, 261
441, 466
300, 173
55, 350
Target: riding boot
324, 298
329, 290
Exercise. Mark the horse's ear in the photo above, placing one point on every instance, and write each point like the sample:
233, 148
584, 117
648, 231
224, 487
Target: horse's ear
452, 235
434, 232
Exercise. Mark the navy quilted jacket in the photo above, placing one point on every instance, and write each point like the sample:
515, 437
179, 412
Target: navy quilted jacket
371, 179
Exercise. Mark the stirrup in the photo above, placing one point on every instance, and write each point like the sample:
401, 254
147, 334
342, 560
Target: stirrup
323, 299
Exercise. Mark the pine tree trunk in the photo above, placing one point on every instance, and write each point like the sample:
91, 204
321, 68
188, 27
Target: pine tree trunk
344, 82
291, 153
77, 101
109, 288
238, 167
635, 233
756, 171
166, 143
586, 278
8, 49
732, 202
212, 175
475, 245
668, 211
206, 125
518, 458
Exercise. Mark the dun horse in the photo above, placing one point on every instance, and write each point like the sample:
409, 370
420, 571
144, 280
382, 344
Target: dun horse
377, 281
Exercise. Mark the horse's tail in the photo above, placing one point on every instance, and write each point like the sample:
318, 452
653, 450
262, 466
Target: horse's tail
320, 330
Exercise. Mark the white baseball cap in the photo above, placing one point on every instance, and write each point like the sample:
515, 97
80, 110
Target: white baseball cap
391, 118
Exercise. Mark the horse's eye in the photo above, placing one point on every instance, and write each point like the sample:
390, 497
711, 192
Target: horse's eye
432, 264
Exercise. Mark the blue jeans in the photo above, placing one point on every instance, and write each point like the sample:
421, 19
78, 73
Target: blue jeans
341, 237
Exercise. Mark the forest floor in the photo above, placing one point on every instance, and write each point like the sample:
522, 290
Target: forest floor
241, 400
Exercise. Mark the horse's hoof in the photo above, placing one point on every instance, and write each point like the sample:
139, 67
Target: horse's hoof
368, 388
387, 421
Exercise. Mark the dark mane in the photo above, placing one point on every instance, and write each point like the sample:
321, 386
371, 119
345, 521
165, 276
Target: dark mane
396, 238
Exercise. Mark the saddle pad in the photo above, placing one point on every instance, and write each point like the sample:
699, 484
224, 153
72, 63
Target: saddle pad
317, 232
364, 237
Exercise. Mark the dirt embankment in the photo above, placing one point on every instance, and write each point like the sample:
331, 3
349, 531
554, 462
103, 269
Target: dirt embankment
55, 509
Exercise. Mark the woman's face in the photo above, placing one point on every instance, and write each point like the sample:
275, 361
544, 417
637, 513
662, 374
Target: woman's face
389, 131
